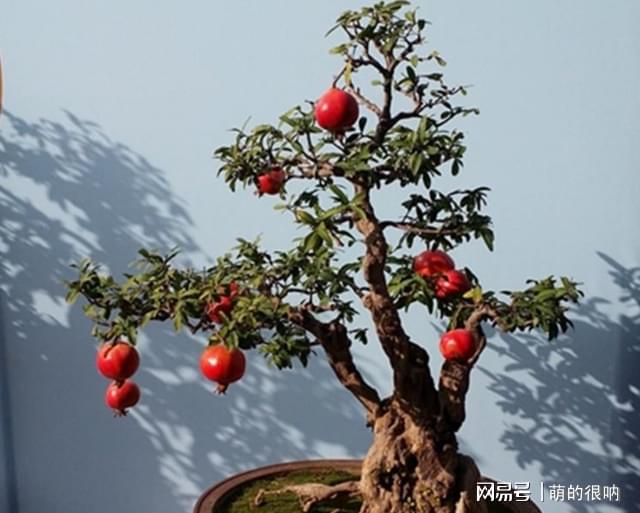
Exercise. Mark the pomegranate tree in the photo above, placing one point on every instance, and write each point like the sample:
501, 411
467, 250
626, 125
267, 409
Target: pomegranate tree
312, 294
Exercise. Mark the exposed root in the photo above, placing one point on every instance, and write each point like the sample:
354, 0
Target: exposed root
311, 494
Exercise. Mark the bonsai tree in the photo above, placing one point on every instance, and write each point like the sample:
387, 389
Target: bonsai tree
327, 164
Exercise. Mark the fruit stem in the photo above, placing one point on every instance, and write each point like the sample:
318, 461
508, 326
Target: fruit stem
338, 76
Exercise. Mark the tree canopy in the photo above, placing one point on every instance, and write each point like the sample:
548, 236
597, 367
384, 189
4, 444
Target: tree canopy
310, 294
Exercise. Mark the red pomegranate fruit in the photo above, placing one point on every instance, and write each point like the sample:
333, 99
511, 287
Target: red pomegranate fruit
458, 344
271, 182
336, 110
120, 396
451, 283
223, 365
432, 262
117, 361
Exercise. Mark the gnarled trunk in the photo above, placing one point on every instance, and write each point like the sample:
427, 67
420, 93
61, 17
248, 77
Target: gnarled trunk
414, 466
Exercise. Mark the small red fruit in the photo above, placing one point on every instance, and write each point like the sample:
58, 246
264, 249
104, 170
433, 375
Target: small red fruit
336, 110
223, 365
224, 305
271, 182
117, 361
451, 283
457, 344
432, 262
120, 396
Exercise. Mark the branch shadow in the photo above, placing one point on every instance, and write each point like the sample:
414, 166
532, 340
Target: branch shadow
575, 402
67, 191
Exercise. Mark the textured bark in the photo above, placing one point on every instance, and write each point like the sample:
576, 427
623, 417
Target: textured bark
455, 375
337, 346
413, 383
335, 341
413, 466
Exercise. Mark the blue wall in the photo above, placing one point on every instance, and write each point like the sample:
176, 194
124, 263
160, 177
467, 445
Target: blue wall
113, 111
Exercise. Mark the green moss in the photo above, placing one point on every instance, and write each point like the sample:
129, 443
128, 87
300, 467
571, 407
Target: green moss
241, 501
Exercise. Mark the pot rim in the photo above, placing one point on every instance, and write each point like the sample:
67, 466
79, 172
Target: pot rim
218, 491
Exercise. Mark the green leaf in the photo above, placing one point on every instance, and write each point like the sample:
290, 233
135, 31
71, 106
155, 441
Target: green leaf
305, 217
324, 234
397, 5
341, 196
415, 163
488, 238
411, 73
340, 49
332, 29
474, 294
132, 334
358, 212
178, 319
147, 318
72, 295
312, 242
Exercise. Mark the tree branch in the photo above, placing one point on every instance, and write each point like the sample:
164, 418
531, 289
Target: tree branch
410, 227
454, 374
384, 118
371, 60
336, 343
413, 383
364, 100
310, 169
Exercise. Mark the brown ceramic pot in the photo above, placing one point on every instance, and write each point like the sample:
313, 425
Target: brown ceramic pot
212, 498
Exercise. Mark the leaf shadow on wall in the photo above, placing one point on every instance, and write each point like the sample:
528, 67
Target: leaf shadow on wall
580, 421
68, 191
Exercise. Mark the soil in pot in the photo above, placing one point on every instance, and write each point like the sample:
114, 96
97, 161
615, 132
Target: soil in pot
242, 499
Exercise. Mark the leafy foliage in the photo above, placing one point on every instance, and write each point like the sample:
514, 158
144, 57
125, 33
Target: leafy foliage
409, 147
160, 291
538, 306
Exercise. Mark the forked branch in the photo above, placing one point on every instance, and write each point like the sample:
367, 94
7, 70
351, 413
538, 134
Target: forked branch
335, 341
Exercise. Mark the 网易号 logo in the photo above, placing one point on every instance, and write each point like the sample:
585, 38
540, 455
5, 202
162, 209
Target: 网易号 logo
503, 491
